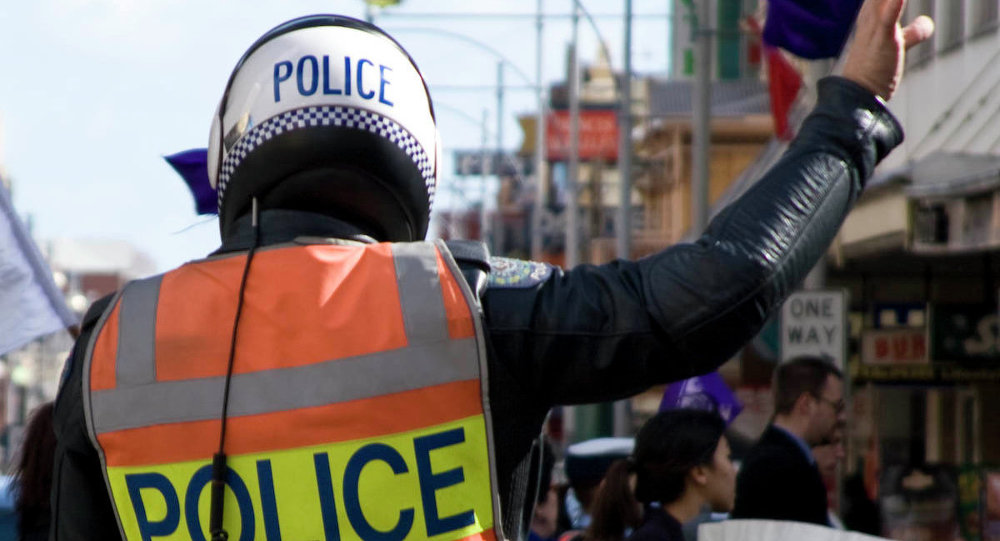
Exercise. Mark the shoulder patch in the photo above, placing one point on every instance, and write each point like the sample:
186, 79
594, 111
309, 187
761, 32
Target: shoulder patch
515, 273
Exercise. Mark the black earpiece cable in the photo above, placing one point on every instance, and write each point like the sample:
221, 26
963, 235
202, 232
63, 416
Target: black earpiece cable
215, 529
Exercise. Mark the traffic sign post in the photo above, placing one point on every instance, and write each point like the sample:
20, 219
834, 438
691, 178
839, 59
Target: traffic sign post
815, 323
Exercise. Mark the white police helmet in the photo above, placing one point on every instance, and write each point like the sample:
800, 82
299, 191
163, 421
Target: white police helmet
327, 114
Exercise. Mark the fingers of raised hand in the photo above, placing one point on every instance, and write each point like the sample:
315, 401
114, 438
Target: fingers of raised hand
891, 11
917, 31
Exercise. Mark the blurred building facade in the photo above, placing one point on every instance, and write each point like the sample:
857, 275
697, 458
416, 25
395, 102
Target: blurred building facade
919, 260
917, 257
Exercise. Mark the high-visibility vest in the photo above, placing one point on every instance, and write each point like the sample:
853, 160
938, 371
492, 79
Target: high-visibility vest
358, 404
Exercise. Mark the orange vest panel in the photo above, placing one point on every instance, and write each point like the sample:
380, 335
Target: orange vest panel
357, 402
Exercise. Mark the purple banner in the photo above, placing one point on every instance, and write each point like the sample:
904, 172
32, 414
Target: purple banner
192, 166
810, 29
707, 392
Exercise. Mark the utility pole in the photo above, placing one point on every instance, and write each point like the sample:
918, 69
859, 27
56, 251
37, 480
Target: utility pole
573, 167
498, 161
624, 237
702, 112
484, 177
499, 106
536, 216
621, 418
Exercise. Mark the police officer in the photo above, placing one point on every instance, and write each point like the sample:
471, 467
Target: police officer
586, 464
326, 375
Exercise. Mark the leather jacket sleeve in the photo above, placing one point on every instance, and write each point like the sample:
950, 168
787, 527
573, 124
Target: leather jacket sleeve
81, 508
597, 333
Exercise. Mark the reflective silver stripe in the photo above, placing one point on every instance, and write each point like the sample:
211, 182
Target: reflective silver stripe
475, 308
88, 405
420, 292
284, 389
135, 362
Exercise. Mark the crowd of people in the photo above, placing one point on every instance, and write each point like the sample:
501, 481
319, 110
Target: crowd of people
327, 373
680, 471
659, 486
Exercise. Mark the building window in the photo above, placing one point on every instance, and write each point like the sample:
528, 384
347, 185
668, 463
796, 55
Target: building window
983, 15
977, 225
922, 52
931, 224
730, 37
951, 24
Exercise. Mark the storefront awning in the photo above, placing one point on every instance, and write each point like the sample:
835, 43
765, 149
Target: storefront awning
953, 174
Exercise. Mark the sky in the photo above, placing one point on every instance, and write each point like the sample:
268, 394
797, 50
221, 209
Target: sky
95, 92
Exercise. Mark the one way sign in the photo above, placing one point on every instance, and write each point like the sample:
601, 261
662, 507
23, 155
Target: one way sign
815, 323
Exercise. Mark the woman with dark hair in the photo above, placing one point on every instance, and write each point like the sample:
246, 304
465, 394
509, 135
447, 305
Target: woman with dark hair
680, 464
33, 476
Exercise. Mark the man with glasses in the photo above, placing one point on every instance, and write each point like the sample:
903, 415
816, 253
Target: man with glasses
779, 479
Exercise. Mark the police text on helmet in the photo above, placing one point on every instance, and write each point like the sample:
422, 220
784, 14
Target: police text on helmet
333, 77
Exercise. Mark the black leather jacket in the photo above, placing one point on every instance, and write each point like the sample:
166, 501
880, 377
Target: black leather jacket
594, 333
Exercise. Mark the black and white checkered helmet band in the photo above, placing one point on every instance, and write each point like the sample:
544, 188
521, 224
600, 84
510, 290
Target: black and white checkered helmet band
329, 115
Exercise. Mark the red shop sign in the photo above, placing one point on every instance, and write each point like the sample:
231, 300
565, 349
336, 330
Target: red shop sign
894, 346
598, 135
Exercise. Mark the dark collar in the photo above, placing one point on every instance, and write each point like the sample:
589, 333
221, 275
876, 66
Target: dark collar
802, 446
283, 226
657, 517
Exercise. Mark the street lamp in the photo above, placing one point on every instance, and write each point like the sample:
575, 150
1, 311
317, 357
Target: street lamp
536, 214
370, 13
539, 154
624, 231
501, 62
484, 159
623, 235
702, 111
440, 32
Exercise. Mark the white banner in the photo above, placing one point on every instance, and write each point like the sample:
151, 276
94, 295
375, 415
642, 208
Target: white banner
775, 530
31, 305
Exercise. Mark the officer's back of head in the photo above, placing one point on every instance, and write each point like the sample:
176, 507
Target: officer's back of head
588, 461
327, 114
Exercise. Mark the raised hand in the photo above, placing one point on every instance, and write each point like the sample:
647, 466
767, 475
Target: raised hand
876, 55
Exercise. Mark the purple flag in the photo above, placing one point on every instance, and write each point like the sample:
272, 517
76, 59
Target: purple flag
707, 392
192, 165
811, 29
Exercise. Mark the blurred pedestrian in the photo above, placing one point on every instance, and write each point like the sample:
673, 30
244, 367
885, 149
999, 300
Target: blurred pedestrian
346, 340
33, 476
828, 459
680, 465
586, 464
545, 518
861, 512
779, 478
